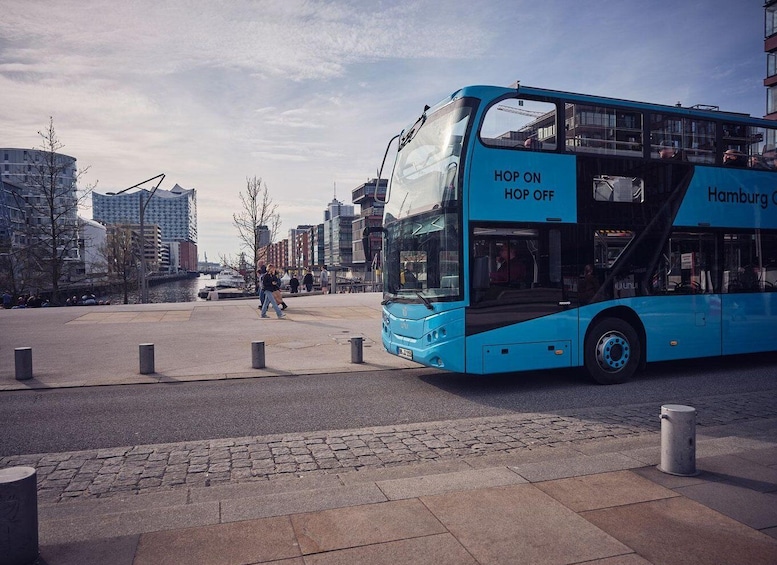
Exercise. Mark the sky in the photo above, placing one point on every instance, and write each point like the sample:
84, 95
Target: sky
306, 94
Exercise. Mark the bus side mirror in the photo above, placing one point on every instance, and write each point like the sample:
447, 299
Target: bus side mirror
366, 240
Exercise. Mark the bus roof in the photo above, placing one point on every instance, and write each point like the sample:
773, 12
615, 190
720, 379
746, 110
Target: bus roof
494, 92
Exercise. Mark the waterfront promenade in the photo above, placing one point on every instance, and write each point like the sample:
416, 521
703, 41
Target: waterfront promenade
576, 486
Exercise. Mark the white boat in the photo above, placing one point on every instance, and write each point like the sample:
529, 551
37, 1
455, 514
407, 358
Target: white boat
230, 278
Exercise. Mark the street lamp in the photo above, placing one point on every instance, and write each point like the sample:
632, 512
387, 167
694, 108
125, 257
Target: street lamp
142, 206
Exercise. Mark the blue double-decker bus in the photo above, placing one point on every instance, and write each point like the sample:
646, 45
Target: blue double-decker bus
529, 229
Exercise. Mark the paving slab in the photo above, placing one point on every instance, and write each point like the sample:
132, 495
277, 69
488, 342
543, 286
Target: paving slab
429, 550
520, 524
603, 490
412, 487
371, 475
576, 466
738, 470
97, 526
752, 507
253, 489
679, 531
299, 501
116, 551
238, 543
653, 474
113, 505
364, 525
766, 456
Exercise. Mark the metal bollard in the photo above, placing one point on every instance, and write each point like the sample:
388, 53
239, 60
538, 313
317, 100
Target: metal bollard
18, 515
23, 363
147, 358
356, 350
257, 354
678, 440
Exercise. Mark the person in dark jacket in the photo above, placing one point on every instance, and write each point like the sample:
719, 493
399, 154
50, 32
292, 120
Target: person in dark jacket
270, 283
307, 280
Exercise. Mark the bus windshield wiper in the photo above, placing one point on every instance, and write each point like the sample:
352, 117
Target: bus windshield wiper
408, 137
425, 300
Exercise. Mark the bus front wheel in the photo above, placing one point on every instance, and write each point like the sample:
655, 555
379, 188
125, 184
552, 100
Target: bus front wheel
612, 351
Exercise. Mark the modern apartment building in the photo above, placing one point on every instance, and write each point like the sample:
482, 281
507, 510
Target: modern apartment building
34, 185
770, 47
338, 234
299, 247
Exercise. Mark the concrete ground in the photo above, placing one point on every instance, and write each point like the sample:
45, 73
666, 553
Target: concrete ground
570, 488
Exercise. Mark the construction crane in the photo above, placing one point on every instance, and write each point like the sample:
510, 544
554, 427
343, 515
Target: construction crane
530, 113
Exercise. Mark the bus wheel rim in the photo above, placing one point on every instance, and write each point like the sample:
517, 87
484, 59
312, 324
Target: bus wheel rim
613, 352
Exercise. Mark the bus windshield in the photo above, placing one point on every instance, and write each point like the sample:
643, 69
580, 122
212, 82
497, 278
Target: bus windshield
423, 209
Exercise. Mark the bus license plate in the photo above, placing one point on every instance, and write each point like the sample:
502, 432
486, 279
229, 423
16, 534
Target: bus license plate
406, 353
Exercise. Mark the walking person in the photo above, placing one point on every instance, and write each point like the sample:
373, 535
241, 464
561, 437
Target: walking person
276, 291
270, 283
294, 284
262, 272
324, 280
307, 281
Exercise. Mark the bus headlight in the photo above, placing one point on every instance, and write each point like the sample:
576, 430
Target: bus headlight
436, 335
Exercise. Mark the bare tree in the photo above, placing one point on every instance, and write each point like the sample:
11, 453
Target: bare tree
51, 199
122, 254
258, 214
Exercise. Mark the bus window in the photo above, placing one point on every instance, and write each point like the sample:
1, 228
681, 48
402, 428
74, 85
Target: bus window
608, 188
608, 246
759, 148
598, 129
687, 265
521, 265
520, 124
681, 138
750, 262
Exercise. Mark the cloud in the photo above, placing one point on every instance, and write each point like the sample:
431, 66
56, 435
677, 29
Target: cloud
308, 93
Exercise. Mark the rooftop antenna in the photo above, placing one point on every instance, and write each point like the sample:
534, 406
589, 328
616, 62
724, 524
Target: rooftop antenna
335, 195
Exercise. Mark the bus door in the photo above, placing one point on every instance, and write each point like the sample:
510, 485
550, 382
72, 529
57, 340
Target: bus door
749, 284
688, 324
521, 316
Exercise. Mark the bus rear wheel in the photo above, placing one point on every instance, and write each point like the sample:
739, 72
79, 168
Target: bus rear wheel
612, 351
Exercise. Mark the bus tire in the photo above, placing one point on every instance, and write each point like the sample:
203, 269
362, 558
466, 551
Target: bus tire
612, 351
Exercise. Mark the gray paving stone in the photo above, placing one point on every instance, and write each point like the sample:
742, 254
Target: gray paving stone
756, 509
411, 487
116, 551
678, 531
577, 466
299, 501
523, 523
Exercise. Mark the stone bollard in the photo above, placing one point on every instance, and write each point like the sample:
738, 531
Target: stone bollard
257, 354
23, 362
18, 516
678, 440
356, 350
147, 359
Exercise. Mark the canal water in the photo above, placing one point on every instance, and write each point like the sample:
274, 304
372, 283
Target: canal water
184, 290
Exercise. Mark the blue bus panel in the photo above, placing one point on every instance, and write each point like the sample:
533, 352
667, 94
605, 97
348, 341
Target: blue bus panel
435, 340
524, 186
733, 198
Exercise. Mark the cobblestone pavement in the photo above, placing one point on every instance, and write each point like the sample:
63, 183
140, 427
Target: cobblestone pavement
153, 468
